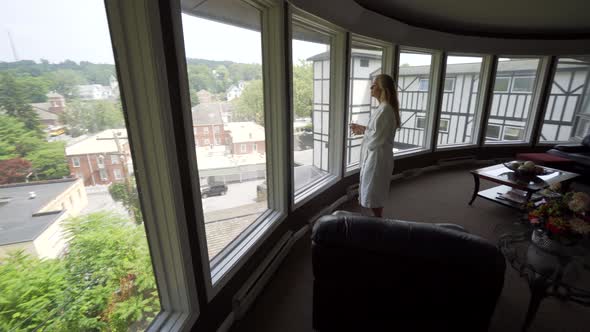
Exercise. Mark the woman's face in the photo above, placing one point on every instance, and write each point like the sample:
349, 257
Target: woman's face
375, 90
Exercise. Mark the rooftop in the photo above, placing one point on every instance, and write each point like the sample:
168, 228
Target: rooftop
102, 142
19, 222
243, 132
210, 113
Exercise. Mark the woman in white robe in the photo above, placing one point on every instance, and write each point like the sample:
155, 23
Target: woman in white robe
377, 148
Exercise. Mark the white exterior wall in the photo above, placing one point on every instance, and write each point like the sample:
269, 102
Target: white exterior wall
51, 243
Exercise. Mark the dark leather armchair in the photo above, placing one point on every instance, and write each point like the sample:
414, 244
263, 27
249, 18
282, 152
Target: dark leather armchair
579, 153
374, 274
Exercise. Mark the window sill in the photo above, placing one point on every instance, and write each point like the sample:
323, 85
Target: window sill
455, 147
309, 193
410, 153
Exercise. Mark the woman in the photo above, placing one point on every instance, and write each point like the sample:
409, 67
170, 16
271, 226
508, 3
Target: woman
377, 147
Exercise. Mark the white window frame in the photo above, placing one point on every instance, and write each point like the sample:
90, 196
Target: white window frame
338, 84
499, 131
115, 159
542, 78
103, 174
76, 162
206, 130
448, 122
418, 118
420, 87
361, 62
358, 41
511, 127
118, 174
503, 78
141, 68
100, 160
451, 79
254, 147
243, 147
219, 271
513, 88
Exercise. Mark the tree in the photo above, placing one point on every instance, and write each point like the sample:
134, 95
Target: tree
83, 117
127, 194
303, 89
15, 101
49, 161
250, 105
104, 282
194, 97
65, 81
14, 170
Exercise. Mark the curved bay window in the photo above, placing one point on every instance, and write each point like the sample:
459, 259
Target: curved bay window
511, 107
567, 114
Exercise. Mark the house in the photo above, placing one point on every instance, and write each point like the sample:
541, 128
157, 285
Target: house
235, 91
205, 96
33, 213
208, 127
50, 110
246, 137
101, 159
94, 92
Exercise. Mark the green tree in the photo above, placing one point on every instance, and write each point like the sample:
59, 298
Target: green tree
105, 281
127, 194
64, 81
15, 139
250, 105
15, 101
49, 161
194, 97
303, 89
83, 117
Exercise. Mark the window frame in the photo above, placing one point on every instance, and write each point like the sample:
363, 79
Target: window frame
337, 103
512, 88
117, 171
363, 60
115, 159
453, 79
542, 78
448, 122
101, 172
510, 127
509, 78
499, 131
485, 77
76, 162
416, 123
387, 60
420, 85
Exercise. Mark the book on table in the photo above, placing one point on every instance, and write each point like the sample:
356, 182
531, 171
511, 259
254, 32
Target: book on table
517, 196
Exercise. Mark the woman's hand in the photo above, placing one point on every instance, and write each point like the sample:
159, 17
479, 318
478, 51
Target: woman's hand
357, 129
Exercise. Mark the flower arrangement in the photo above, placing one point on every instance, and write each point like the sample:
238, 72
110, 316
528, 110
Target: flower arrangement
563, 216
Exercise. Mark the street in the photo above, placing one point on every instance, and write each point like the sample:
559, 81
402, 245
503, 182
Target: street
238, 194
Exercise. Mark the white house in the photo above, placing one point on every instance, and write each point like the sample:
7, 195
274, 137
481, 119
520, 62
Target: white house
235, 91
94, 92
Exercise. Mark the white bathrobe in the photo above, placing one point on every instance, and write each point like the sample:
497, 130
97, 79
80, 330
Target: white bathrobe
377, 157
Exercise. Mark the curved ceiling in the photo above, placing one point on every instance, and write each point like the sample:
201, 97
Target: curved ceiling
524, 19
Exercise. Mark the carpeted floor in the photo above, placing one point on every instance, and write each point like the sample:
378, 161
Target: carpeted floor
438, 196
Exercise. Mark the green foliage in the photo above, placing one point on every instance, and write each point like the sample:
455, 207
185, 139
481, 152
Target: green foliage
16, 141
15, 101
64, 81
82, 117
49, 161
250, 105
105, 281
303, 89
127, 194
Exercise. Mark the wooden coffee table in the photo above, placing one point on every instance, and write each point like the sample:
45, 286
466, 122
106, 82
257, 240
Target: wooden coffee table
508, 180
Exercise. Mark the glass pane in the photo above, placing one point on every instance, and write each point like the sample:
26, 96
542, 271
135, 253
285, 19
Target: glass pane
365, 65
512, 100
567, 113
311, 100
413, 90
224, 63
459, 101
73, 249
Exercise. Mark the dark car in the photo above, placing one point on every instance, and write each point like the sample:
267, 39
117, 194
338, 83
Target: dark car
213, 190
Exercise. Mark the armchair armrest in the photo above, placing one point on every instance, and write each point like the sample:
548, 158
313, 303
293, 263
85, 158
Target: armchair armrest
572, 148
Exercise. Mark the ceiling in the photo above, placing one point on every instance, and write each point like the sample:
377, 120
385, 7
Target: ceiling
523, 19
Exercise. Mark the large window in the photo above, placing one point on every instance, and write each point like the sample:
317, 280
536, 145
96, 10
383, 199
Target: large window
73, 249
366, 62
224, 63
311, 51
511, 106
414, 84
460, 101
567, 113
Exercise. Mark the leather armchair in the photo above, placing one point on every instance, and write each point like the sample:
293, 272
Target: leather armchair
579, 153
374, 274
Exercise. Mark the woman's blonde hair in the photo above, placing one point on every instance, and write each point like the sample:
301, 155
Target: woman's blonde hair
388, 94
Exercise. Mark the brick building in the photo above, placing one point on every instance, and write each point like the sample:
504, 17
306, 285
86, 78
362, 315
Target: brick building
50, 110
208, 126
101, 159
246, 137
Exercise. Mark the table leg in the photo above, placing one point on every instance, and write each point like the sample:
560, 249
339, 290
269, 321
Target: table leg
475, 189
537, 286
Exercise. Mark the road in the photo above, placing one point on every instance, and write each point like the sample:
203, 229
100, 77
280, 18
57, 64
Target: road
238, 194
99, 200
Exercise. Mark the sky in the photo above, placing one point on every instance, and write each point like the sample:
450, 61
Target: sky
77, 30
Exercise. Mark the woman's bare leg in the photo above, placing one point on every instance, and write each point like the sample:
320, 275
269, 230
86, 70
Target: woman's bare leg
378, 212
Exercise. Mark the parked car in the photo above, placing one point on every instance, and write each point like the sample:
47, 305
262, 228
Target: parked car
213, 190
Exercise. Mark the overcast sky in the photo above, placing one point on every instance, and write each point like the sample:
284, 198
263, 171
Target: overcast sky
57, 30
